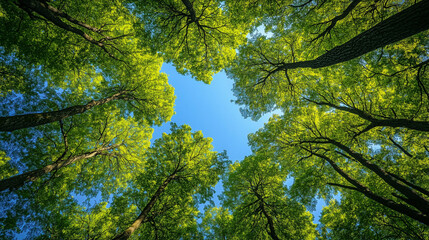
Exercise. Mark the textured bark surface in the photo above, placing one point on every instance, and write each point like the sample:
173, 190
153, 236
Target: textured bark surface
404, 24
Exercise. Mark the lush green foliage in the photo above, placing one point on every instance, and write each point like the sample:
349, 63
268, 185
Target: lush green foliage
195, 167
346, 125
199, 37
353, 132
255, 193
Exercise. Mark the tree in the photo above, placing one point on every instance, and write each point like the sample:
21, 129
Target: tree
356, 216
35, 119
105, 148
77, 70
373, 109
362, 104
53, 21
61, 19
87, 157
198, 37
80, 87
181, 164
329, 154
137, 104
265, 74
374, 121
216, 224
404, 24
261, 209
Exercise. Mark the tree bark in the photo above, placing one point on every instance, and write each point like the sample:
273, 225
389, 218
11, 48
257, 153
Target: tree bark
143, 215
18, 181
12, 123
191, 10
395, 28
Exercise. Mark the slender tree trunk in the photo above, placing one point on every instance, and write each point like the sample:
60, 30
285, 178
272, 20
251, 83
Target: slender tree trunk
18, 181
395, 28
143, 215
272, 231
12, 123
401, 208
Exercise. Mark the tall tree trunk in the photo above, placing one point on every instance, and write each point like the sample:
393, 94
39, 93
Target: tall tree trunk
12, 123
143, 215
395, 28
18, 181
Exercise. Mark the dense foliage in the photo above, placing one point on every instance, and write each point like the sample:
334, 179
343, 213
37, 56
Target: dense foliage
81, 89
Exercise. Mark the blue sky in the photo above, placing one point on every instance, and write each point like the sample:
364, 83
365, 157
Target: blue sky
209, 108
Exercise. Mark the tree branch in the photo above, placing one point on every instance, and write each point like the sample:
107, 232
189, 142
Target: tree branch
334, 21
400, 147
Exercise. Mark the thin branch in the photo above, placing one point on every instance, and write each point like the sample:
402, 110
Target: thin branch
343, 186
334, 21
400, 147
